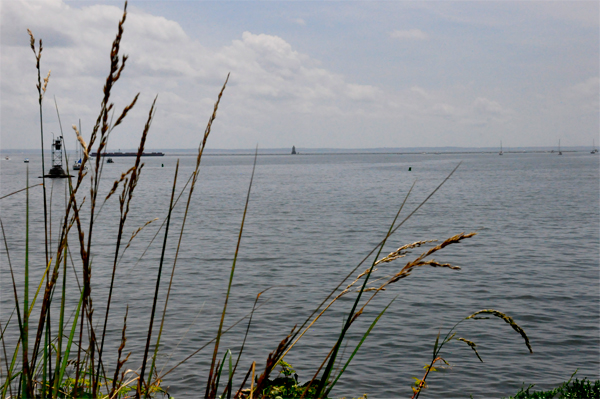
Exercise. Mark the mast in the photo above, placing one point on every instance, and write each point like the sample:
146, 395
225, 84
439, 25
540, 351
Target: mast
559, 151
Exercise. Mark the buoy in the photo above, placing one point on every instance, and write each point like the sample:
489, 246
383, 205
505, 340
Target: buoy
410, 168
162, 165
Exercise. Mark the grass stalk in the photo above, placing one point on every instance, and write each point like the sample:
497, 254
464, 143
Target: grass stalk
41, 92
237, 249
230, 382
352, 314
129, 186
17, 307
364, 337
451, 335
206, 344
8, 368
26, 377
162, 258
103, 126
61, 322
18, 191
65, 359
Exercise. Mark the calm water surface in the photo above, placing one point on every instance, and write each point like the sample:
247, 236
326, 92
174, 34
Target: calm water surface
311, 220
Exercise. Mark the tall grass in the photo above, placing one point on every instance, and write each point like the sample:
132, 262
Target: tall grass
67, 358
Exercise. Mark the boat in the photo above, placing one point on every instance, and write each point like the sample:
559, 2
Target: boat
129, 154
26, 160
500, 153
79, 153
594, 149
559, 151
77, 165
7, 158
110, 160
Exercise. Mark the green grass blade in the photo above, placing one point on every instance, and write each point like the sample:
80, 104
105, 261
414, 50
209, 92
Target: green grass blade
229, 381
351, 314
14, 284
333, 291
435, 346
25, 331
12, 367
63, 366
5, 355
358, 346
237, 249
162, 376
227, 353
39, 288
61, 318
162, 258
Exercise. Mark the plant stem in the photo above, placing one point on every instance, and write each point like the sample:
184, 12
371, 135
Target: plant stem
162, 258
24, 336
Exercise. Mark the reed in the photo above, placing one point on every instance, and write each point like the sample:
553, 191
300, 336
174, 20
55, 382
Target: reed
67, 357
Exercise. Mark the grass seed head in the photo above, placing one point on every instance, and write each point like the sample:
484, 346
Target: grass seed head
508, 320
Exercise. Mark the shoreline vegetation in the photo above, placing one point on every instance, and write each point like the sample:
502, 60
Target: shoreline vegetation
571, 389
65, 356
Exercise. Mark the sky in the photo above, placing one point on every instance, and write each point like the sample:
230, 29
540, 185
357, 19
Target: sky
316, 74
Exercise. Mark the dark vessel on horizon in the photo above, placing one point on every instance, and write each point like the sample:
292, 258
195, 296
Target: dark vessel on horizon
129, 154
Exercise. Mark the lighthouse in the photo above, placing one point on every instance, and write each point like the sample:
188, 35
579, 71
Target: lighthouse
57, 171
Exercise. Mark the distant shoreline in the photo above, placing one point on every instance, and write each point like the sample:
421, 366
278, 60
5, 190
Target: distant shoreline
343, 151
376, 153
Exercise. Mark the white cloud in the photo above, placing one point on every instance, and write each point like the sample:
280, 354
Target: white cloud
484, 106
412, 34
588, 88
481, 112
299, 21
486, 111
585, 95
276, 93
446, 111
269, 79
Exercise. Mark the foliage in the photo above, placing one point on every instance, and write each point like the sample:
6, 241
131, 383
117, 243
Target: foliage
571, 389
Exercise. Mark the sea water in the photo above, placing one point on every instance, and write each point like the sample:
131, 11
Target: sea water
311, 219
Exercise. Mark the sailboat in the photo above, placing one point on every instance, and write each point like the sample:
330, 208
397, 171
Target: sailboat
594, 149
559, 151
500, 153
77, 164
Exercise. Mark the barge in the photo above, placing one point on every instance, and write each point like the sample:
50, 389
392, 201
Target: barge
129, 154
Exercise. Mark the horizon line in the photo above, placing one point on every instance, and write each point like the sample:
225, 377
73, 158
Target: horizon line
374, 149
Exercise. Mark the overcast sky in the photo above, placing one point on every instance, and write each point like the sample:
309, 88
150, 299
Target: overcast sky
311, 74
